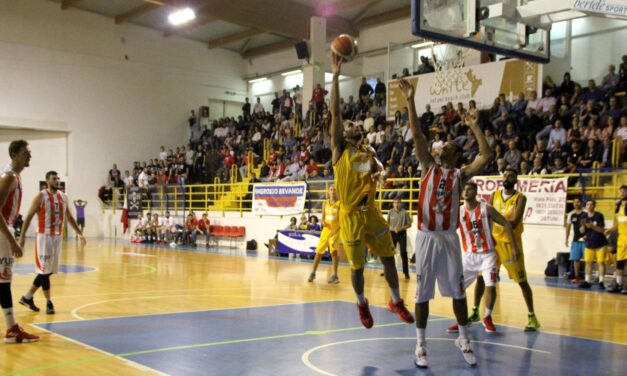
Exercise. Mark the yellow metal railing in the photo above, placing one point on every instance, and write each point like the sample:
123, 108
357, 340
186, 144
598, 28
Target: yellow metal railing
233, 196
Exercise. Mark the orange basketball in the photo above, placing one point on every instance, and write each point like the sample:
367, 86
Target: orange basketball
345, 46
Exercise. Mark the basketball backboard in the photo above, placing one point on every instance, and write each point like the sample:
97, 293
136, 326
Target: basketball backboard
494, 26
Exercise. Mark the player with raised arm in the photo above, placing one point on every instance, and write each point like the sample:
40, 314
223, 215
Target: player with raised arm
438, 253
361, 222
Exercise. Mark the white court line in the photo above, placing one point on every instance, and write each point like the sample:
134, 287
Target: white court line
305, 357
129, 362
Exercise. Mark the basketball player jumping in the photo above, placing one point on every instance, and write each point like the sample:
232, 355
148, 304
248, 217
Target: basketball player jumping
438, 254
10, 201
330, 236
361, 222
51, 207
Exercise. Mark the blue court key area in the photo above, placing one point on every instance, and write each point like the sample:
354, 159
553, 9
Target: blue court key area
26, 269
327, 338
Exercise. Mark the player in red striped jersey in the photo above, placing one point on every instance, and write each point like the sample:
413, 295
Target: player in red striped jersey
479, 255
10, 201
51, 207
438, 255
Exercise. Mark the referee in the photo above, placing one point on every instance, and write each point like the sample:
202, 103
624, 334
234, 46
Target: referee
399, 221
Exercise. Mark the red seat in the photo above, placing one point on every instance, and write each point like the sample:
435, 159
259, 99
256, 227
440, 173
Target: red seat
232, 232
241, 231
218, 231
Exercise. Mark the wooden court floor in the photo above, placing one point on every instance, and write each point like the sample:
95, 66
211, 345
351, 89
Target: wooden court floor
123, 280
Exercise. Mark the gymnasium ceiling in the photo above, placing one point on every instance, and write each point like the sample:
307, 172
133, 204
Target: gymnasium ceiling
250, 27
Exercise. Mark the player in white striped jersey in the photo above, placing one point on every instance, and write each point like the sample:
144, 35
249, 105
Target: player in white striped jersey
479, 256
51, 207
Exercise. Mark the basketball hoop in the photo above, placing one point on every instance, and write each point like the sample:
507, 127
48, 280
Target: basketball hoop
449, 61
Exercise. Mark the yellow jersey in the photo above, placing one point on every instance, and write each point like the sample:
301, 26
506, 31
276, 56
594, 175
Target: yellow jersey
621, 222
507, 207
353, 178
332, 214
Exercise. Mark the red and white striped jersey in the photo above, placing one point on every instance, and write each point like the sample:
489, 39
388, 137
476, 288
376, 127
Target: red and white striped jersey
11, 208
52, 212
474, 226
438, 203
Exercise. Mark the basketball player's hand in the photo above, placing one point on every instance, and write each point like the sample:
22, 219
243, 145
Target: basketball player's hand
406, 88
471, 120
337, 64
16, 249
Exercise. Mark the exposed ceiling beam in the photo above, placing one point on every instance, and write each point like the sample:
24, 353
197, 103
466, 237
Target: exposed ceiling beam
67, 4
203, 18
270, 48
245, 46
327, 8
136, 12
218, 42
393, 15
362, 13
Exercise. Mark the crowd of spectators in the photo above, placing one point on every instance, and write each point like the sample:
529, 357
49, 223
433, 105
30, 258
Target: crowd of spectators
567, 128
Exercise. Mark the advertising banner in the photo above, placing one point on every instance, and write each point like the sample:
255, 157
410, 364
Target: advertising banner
279, 199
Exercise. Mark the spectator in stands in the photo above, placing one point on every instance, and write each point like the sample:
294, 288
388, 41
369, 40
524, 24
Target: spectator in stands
246, 110
549, 84
538, 167
365, 90
606, 153
559, 167
128, 179
163, 155
611, 111
591, 155
318, 98
115, 177
380, 90
287, 105
292, 225
313, 224
567, 87
544, 104
588, 112
276, 103
258, 109
425, 66
203, 227
191, 230
524, 167
143, 180
593, 93
304, 222
518, 108
558, 133
405, 73
298, 102
533, 102
512, 156
192, 119
610, 81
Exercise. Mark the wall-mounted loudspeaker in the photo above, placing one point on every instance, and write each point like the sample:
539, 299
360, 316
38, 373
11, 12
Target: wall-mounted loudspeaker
302, 50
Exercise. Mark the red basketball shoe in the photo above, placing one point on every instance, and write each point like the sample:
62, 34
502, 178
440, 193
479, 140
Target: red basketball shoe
364, 315
400, 309
15, 334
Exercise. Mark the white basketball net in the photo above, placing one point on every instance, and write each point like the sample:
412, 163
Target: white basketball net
449, 61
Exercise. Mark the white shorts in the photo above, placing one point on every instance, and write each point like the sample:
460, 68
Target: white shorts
6, 261
439, 257
47, 253
484, 263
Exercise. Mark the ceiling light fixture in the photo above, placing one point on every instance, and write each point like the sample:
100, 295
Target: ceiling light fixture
257, 80
297, 71
181, 16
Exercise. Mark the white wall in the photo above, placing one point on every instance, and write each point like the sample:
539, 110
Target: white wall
595, 43
540, 243
67, 69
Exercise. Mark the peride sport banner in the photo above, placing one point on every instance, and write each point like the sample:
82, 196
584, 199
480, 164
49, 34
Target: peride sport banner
279, 199
546, 198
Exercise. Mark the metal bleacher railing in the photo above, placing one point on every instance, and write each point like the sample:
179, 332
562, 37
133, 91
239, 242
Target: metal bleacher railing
236, 196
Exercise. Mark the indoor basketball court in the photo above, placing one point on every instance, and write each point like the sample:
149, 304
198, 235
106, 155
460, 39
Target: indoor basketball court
91, 83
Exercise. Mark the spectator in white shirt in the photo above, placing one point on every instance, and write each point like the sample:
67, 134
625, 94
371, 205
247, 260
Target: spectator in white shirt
258, 107
163, 155
558, 133
368, 122
532, 103
143, 180
380, 135
544, 104
128, 179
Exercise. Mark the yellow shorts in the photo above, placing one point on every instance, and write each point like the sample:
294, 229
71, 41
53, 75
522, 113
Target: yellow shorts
515, 269
328, 241
599, 255
621, 249
361, 228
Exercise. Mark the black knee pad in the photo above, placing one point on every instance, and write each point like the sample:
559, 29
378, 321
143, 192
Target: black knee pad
45, 283
38, 280
6, 300
620, 264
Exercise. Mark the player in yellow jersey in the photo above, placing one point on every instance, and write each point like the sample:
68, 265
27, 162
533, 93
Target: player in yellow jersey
511, 204
361, 222
330, 236
620, 226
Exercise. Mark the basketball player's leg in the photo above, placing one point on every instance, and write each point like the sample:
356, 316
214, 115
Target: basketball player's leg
352, 235
14, 333
322, 247
425, 253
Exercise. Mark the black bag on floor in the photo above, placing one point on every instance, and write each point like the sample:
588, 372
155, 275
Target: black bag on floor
251, 245
551, 268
